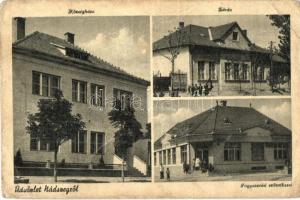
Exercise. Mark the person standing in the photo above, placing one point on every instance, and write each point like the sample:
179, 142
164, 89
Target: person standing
161, 171
193, 89
168, 174
197, 163
200, 89
194, 164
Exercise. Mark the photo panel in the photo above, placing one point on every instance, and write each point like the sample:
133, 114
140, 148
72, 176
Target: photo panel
222, 140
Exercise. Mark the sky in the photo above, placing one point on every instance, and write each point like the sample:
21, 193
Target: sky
167, 113
259, 28
121, 41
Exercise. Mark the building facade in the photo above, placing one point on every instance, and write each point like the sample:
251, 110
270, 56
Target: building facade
223, 55
43, 63
230, 139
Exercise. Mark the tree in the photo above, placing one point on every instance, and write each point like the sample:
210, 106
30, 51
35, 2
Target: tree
174, 41
148, 133
128, 129
282, 22
54, 123
18, 161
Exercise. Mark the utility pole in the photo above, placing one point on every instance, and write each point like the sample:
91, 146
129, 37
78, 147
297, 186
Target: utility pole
271, 66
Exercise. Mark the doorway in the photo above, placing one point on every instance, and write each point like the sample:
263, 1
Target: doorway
202, 153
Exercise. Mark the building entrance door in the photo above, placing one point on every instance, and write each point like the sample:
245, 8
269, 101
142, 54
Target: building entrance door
202, 153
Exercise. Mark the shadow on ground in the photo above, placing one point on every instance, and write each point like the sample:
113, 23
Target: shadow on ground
83, 181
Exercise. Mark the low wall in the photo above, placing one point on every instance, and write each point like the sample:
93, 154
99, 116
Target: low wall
41, 171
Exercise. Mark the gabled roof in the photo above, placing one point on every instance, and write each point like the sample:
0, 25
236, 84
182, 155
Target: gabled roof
200, 36
218, 32
226, 120
51, 45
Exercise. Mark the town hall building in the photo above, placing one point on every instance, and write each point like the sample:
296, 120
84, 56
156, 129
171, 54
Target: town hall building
41, 64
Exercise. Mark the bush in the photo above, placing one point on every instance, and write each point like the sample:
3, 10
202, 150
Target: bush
18, 161
63, 163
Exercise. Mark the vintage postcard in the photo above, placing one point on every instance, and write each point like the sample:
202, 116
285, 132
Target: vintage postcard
142, 99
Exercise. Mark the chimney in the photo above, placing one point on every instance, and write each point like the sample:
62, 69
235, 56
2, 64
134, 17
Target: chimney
181, 25
18, 28
69, 37
245, 32
223, 103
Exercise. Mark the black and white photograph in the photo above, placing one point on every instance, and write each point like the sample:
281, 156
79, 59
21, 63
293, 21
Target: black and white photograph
214, 55
222, 140
80, 106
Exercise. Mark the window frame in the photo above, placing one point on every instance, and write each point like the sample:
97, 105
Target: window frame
212, 70
254, 147
201, 70
77, 91
244, 72
236, 71
169, 156
280, 151
173, 155
183, 153
39, 85
76, 142
94, 145
233, 36
121, 96
228, 69
235, 149
95, 97
38, 145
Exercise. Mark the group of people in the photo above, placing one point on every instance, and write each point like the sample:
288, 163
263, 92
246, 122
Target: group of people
162, 172
200, 90
197, 165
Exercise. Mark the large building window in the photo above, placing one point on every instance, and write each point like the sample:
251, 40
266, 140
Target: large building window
259, 73
244, 72
45, 84
236, 71
97, 143
183, 153
169, 156
155, 159
232, 151
160, 157
280, 151
79, 142
212, 71
164, 157
258, 151
201, 70
34, 143
227, 71
79, 91
40, 144
124, 97
97, 95
174, 155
